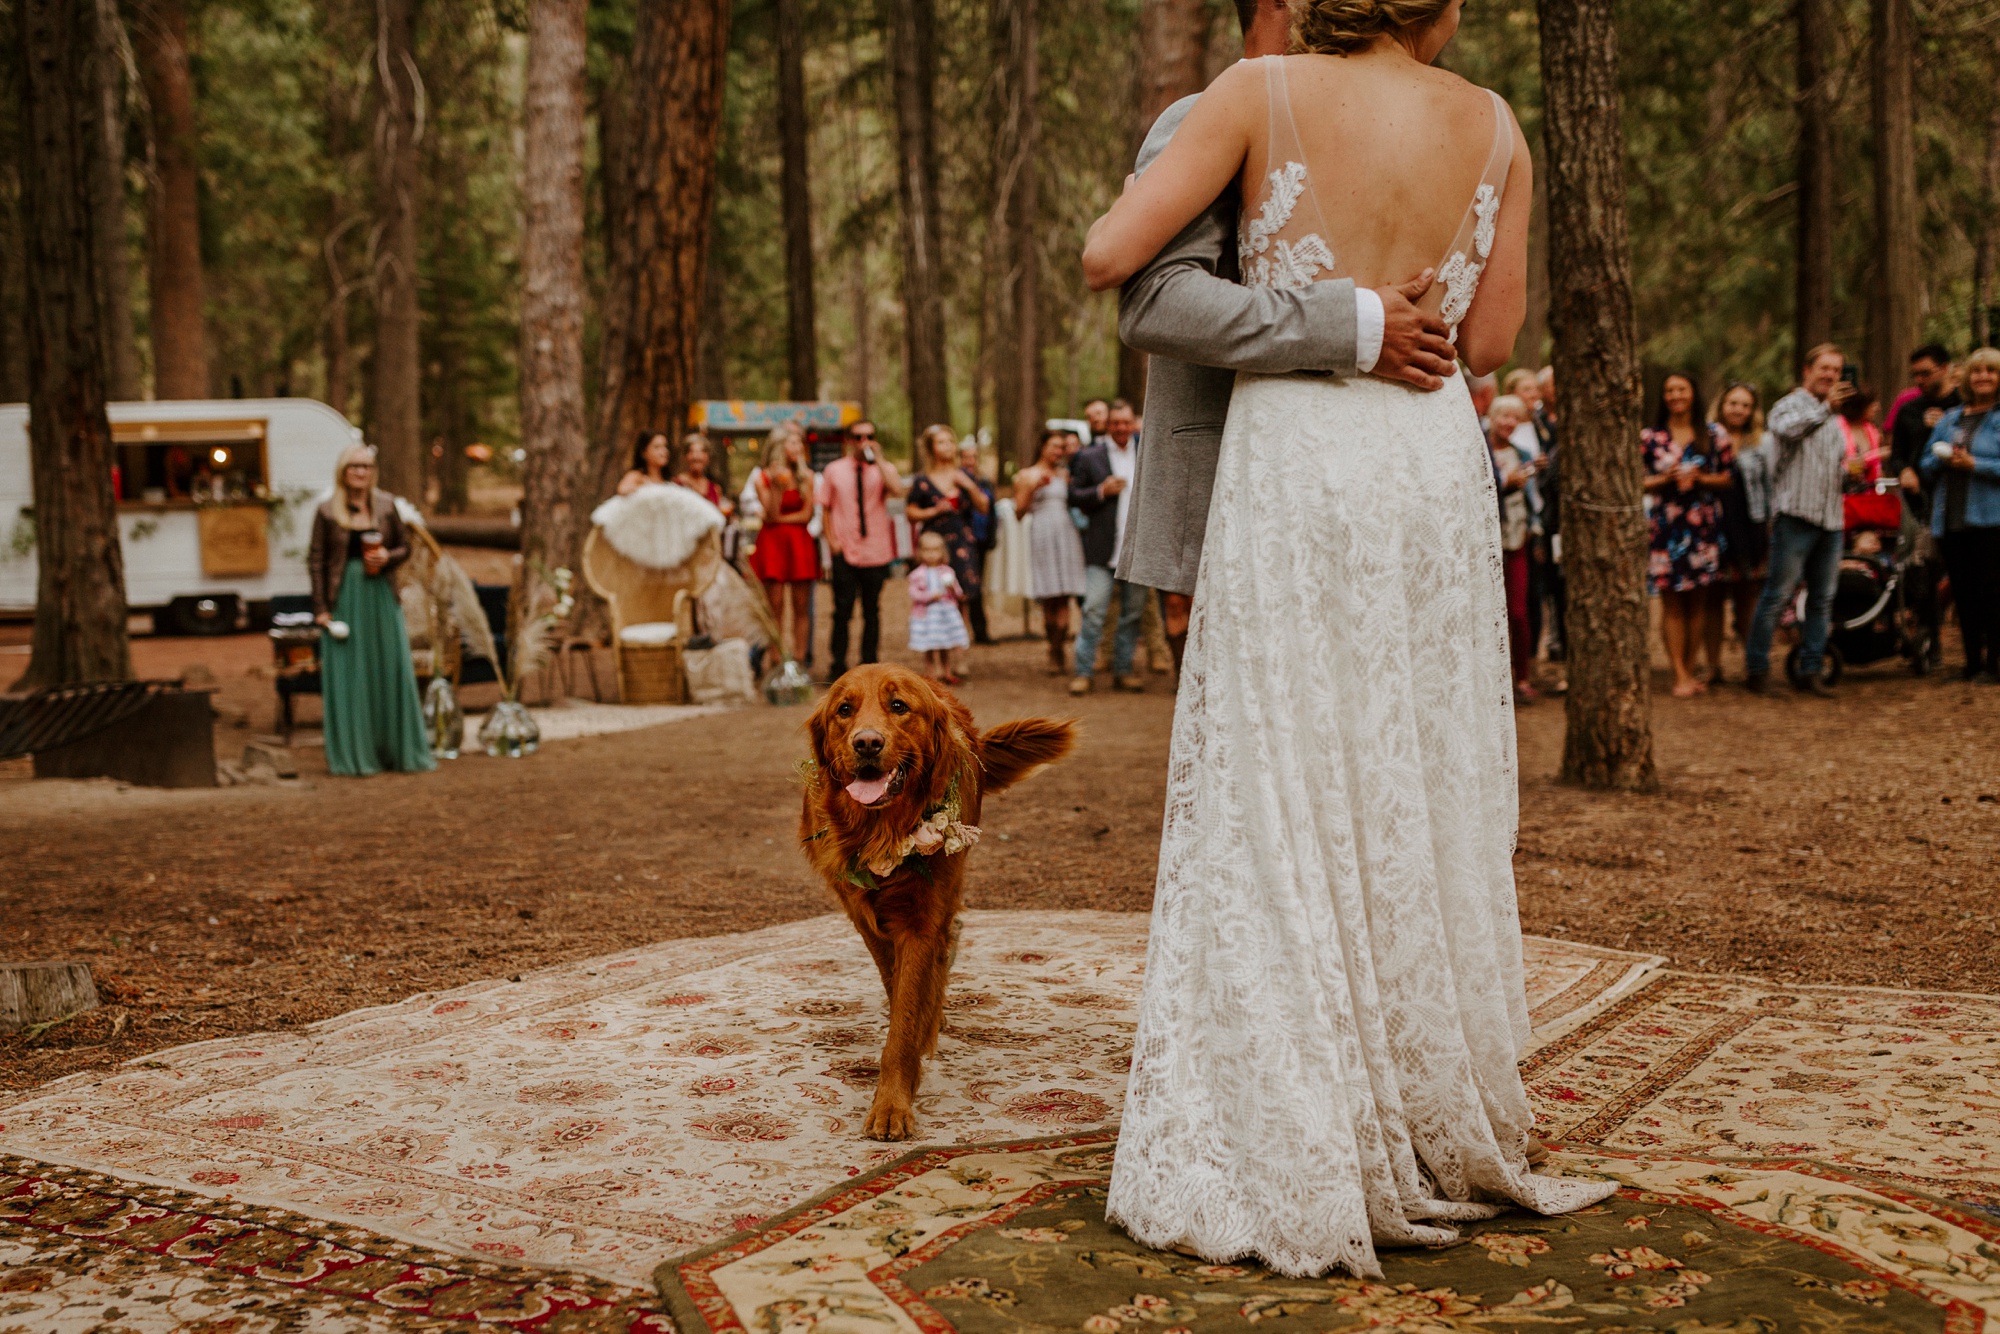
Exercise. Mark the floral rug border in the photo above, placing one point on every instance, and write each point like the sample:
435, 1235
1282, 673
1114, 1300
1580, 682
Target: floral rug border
309, 1258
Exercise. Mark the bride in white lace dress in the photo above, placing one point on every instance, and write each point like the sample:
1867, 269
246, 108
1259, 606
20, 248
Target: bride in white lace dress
1334, 1003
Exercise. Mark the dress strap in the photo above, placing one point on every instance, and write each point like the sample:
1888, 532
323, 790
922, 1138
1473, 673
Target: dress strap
1458, 273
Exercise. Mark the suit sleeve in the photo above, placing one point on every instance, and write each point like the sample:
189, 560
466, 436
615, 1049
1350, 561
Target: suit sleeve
1086, 490
1187, 305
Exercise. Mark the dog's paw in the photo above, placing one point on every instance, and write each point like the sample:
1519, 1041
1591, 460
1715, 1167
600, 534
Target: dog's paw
890, 1121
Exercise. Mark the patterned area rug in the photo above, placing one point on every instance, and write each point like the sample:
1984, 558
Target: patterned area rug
1899, 1085
599, 1116
1011, 1239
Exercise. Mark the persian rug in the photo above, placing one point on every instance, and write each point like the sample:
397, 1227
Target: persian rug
599, 1116
1011, 1239
1902, 1086
84, 1251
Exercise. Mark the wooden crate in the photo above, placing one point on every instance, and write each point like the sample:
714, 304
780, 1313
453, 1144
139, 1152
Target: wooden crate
651, 674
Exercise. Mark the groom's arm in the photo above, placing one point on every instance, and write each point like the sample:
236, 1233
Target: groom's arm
1187, 306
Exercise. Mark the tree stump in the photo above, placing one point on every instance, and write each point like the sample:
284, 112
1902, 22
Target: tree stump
35, 993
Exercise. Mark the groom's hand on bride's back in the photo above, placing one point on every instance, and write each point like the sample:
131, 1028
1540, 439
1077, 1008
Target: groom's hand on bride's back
1414, 347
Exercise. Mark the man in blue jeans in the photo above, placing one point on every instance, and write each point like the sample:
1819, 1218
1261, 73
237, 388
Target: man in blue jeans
1807, 523
1098, 479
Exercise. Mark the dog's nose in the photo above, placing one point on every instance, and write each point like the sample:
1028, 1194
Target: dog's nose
867, 746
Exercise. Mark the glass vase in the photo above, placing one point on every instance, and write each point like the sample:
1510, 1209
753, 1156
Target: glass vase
789, 684
510, 730
444, 720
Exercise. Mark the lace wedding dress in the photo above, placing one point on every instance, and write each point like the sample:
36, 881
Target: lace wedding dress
1334, 998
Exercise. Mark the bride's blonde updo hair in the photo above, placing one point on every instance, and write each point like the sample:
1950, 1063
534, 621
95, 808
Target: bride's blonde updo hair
1341, 27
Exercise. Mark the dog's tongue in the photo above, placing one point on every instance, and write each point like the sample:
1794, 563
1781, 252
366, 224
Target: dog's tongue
868, 791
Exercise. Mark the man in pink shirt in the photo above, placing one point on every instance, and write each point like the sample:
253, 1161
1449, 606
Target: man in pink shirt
854, 494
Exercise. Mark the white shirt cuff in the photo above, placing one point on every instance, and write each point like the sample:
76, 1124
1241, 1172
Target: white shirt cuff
1369, 322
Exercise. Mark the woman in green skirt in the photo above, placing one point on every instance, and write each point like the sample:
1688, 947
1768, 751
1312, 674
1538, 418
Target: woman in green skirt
369, 688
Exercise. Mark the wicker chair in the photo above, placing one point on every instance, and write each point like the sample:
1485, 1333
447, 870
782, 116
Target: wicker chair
650, 667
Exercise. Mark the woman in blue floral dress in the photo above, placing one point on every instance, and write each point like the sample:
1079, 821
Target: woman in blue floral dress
1688, 461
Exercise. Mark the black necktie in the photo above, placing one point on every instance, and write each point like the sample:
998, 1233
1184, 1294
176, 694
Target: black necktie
860, 498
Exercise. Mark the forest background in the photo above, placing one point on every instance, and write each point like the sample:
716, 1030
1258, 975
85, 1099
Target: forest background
282, 133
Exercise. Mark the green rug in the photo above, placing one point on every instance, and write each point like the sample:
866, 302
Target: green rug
1011, 1239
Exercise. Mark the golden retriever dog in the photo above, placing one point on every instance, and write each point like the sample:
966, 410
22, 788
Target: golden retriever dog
892, 799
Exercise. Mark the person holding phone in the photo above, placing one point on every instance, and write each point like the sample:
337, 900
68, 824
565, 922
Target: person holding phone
853, 494
1961, 472
368, 686
1808, 518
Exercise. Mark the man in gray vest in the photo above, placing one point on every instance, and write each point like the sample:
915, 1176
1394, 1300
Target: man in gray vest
1202, 326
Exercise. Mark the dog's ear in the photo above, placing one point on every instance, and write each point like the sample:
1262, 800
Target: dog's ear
816, 727
950, 740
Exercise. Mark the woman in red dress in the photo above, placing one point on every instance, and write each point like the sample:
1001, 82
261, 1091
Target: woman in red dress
786, 558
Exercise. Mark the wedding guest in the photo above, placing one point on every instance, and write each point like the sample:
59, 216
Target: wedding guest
1933, 392
786, 558
854, 494
694, 472
652, 463
1511, 474
367, 683
943, 500
937, 622
985, 529
1962, 474
1807, 521
1055, 551
1097, 415
1099, 477
1552, 596
1687, 468
1746, 519
1484, 388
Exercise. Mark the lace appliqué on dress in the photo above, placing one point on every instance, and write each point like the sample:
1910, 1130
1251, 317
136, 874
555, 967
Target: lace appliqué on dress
1288, 263
1460, 276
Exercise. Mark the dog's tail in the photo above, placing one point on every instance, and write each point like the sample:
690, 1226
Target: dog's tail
1012, 751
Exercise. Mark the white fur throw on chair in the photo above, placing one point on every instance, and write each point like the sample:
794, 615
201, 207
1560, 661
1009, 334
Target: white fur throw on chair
657, 526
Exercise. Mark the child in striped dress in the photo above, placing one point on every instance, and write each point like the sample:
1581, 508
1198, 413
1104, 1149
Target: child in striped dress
937, 627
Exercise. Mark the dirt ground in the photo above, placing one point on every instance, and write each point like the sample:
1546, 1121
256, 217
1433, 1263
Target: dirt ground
1846, 841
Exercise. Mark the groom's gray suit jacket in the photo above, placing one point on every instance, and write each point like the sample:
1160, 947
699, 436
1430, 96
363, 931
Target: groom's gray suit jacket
1202, 326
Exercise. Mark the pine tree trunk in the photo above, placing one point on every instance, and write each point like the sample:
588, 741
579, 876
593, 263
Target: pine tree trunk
913, 74
1988, 241
796, 190
13, 274
395, 411
1018, 388
552, 421
114, 275
173, 205
1609, 739
1895, 313
1812, 309
1531, 342
660, 131
80, 589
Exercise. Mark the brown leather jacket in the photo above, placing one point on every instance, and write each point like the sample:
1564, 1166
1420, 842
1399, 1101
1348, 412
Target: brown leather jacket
326, 560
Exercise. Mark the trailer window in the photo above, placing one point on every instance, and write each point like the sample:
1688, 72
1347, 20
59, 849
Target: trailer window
179, 464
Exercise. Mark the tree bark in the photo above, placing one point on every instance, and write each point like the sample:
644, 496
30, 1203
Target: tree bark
551, 369
1895, 312
1812, 307
1530, 343
80, 588
913, 73
1608, 711
114, 274
1988, 242
395, 411
796, 190
1018, 388
13, 274
665, 137
173, 199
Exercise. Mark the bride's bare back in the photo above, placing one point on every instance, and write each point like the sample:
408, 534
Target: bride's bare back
1369, 166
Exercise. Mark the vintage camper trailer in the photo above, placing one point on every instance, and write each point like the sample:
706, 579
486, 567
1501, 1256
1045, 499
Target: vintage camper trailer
215, 501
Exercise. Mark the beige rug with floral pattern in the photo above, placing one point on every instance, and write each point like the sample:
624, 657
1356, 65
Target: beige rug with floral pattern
601, 1116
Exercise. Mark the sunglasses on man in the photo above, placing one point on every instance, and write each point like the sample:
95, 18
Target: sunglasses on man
867, 434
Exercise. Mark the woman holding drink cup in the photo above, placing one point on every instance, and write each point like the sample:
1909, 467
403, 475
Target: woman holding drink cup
1965, 510
373, 718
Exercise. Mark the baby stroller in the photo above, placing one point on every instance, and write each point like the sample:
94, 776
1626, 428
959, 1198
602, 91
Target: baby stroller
1876, 612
